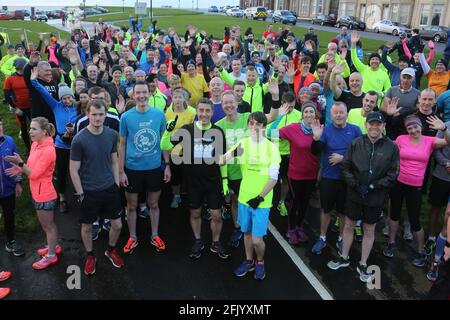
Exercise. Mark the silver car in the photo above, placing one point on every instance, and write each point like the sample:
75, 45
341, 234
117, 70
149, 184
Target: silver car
387, 26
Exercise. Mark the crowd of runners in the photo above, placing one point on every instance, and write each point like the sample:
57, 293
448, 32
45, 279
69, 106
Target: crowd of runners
226, 122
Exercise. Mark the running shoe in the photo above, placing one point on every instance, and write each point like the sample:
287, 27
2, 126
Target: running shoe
433, 271
175, 203
407, 234
5, 275
338, 263
143, 213
4, 292
335, 227
14, 248
358, 234
129, 247
95, 230
45, 262
318, 246
44, 251
216, 247
260, 271
89, 266
244, 267
420, 260
158, 243
293, 237
226, 212
106, 225
430, 245
388, 250
302, 237
236, 236
197, 248
363, 275
282, 209
115, 258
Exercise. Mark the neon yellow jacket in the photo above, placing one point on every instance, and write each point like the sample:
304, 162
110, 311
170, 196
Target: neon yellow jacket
7, 68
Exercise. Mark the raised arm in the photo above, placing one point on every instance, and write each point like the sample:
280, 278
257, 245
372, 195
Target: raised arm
356, 62
423, 62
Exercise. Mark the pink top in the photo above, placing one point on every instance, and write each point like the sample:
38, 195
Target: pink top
41, 162
414, 159
52, 57
303, 164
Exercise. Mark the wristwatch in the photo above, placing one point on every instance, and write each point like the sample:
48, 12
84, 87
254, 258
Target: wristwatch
21, 164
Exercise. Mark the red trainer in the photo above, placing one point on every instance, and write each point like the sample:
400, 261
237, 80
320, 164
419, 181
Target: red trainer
89, 266
45, 262
5, 275
158, 243
4, 292
129, 247
42, 252
115, 258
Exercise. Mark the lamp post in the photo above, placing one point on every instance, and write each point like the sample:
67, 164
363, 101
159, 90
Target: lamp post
151, 11
123, 5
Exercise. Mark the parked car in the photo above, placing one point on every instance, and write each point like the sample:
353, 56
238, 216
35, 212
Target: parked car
350, 22
256, 13
213, 9
436, 33
324, 20
26, 13
41, 17
284, 16
235, 13
103, 10
17, 15
224, 9
387, 26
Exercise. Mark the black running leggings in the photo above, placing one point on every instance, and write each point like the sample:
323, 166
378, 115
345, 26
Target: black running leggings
24, 121
8, 205
62, 168
297, 200
413, 198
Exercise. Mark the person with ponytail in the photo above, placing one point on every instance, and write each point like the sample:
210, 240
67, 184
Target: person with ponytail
39, 168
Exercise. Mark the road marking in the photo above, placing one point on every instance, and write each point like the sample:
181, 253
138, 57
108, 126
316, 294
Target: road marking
317, 285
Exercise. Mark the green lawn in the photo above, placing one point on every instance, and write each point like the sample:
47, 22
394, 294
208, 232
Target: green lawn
115, 13
33, 29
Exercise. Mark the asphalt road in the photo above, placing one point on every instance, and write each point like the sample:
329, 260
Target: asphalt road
172, 275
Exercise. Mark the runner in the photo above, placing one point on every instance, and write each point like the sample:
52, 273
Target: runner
94, 170
141, 129
39, 169
202, 144
370, 167
260, 164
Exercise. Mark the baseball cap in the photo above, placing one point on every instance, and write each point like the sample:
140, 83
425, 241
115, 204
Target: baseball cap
375, 116
10, 46
409, 71
19, 63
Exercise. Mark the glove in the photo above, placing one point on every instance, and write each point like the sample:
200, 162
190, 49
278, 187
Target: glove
170, 126
225, 187
254, 203
363, 190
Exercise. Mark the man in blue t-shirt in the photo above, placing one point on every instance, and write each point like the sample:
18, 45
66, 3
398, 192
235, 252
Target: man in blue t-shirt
141, 129
333, 141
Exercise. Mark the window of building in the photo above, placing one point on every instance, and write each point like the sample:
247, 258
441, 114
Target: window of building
404, 13
362, 11
436, 15
347, 9
385, 11
304, 8
394, 12
424, 14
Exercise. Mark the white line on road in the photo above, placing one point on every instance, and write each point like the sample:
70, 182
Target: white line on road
317, 285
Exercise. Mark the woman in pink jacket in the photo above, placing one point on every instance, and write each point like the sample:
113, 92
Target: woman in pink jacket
39, 168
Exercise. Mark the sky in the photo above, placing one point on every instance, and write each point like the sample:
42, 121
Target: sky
128, 3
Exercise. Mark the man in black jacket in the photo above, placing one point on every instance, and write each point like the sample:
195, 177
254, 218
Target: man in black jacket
370, 167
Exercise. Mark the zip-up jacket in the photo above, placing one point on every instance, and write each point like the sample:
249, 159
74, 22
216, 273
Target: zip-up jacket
368, 163
41, 162
63, 114
7, 183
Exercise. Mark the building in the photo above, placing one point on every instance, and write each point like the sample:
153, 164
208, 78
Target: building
413, 13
